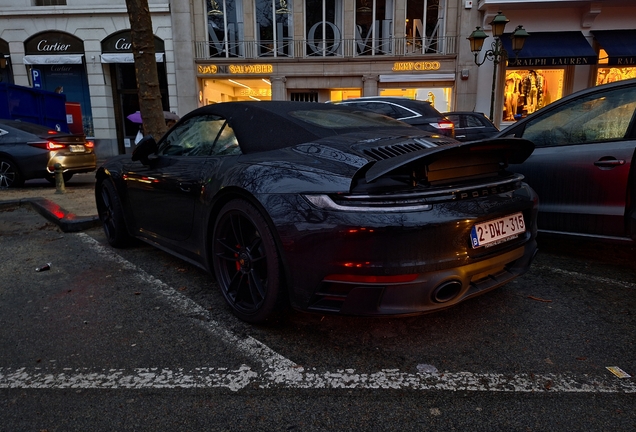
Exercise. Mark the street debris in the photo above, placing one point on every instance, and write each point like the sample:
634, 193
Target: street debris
45, 267
539, 299
618, 372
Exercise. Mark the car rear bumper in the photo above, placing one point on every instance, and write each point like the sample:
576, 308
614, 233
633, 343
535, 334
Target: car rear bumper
73, 163
428, 292
403, 263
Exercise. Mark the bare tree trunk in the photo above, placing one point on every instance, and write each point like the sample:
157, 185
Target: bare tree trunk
143, 47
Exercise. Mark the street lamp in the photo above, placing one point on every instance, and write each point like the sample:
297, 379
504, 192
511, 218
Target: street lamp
497, 53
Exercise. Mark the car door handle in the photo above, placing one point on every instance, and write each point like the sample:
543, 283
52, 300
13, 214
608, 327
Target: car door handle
609, 163
185, 187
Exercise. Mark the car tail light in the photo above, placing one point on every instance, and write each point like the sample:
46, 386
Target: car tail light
48, 145
89, 144
445, 125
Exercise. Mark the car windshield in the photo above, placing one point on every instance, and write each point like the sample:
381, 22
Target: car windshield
345, 119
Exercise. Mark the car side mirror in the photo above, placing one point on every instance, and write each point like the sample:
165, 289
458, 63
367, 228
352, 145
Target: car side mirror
146, 147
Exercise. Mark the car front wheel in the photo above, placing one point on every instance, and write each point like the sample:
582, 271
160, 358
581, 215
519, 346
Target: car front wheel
246, 262
9, 174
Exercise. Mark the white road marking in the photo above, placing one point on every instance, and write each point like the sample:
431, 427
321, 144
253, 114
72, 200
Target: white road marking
250, 347
298, 378
589, 278
280, 372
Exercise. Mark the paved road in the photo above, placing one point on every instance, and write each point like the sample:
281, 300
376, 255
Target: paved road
136, 340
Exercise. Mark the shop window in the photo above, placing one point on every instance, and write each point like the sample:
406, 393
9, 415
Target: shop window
374, 26
50, 2
305, 97
275, 30
611, 74
225, 28
425, 26
323, 20
527, 90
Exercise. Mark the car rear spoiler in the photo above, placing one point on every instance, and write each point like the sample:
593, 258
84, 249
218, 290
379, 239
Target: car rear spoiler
457, 160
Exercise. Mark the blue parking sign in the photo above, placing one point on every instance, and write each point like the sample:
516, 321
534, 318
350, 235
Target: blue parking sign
37, 78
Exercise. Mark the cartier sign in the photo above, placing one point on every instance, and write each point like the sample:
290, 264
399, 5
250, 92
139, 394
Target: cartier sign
53, 43
121, 42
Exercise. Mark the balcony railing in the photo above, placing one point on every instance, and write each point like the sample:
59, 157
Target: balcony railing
338, 48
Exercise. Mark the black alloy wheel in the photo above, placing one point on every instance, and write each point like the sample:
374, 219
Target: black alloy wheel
246, 262
111, 214
9, 175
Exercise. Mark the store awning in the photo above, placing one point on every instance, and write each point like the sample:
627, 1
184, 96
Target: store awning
551, 49
620, 46
53, 59
417, 77
125, 57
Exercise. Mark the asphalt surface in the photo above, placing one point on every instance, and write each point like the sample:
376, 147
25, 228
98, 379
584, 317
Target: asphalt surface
134, 339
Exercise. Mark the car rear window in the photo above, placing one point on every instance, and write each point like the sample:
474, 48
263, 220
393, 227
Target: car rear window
345, 119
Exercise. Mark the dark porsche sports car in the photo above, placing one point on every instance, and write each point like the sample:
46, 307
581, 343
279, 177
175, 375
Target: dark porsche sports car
325, 208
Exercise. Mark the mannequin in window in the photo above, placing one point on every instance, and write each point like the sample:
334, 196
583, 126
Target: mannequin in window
532, 88
511, 96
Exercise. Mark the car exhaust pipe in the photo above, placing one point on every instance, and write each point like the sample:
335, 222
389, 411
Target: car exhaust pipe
447, 291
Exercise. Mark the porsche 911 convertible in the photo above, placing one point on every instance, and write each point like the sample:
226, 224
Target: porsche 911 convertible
324, 208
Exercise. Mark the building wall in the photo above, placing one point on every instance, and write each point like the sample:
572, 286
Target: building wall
539, 16
91, 22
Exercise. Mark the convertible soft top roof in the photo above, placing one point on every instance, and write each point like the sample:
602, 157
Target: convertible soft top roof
268, 125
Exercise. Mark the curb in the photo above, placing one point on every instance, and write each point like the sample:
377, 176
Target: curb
67, 221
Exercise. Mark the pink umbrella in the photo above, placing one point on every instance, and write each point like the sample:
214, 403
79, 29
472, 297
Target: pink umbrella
136, 116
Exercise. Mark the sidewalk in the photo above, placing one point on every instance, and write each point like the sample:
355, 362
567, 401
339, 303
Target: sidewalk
72, 211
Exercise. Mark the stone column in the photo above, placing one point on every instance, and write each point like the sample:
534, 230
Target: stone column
279, 91
370, 85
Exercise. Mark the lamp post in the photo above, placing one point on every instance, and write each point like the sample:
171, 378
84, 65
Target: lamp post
497, 53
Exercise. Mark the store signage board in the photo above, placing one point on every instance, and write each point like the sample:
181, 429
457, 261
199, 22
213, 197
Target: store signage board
247, 69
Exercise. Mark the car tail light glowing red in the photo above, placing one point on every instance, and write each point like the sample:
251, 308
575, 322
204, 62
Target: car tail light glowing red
89, 144
48, 145
445, 124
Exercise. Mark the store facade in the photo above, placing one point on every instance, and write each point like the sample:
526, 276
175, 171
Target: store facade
563, 54
87, 57
327, 50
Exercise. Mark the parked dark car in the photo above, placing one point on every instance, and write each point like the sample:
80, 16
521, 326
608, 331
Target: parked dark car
583, 165
29, 151
471, 126
420, 114
324, 207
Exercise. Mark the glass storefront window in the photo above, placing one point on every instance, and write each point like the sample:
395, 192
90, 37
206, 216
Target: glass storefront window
439, 97
238, 89
323, 20
527, 90
607, 74
374, 26
344, 94
275, 31
424, 25
225, 28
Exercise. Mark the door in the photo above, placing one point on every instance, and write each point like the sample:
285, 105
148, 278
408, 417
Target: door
580, 167
164, 194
